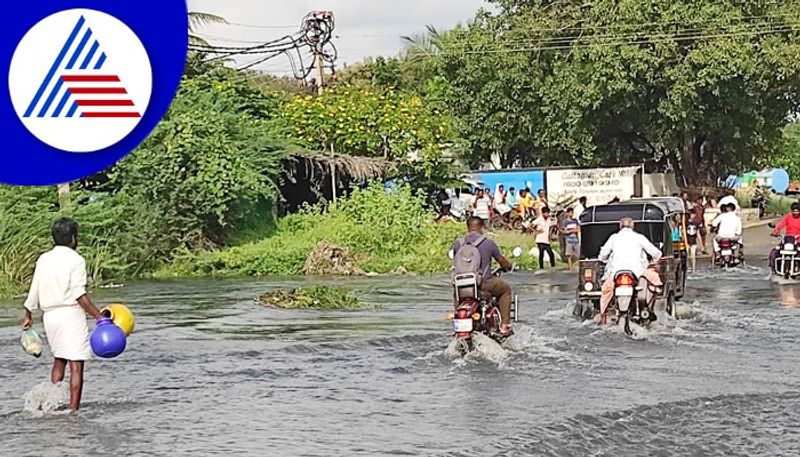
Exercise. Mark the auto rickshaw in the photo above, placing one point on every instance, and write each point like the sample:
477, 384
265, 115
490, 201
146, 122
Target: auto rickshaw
655, 218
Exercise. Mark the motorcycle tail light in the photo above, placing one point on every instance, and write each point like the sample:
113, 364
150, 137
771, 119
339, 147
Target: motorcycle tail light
625, 280
725, 243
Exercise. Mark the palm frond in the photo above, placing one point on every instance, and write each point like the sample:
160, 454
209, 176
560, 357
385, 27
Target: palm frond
198, 19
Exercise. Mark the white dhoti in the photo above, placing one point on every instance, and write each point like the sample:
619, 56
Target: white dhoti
67, 333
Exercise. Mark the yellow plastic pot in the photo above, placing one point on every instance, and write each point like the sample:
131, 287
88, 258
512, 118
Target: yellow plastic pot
121, 316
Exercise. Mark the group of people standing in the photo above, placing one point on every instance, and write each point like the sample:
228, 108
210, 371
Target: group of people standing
537, 218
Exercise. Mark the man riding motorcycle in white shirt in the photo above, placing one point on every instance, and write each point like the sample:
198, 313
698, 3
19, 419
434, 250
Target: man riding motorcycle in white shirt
727, 225
626, 250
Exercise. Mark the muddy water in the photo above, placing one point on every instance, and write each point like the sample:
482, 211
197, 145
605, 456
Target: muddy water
208, 372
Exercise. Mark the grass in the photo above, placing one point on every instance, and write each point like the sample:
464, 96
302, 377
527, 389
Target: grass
315, 297
382, 232
780, 205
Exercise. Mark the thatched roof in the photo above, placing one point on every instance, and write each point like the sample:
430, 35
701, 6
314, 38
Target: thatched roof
347, 167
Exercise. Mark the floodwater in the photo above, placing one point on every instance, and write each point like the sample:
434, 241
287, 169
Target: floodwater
209, 372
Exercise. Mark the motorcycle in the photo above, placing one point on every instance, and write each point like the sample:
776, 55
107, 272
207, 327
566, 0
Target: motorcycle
634, 300
729, 254
477, 313
787, 265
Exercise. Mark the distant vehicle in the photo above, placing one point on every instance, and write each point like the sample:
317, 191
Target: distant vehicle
655, 218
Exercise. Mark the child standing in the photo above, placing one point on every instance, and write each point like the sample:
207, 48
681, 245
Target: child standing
59, 290
571, 228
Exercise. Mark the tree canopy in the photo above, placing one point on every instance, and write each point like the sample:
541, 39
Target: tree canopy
703, 87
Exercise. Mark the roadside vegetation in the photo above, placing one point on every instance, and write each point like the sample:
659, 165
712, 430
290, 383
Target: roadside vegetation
699, 88
383, 232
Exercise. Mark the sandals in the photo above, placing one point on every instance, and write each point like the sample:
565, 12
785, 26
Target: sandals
507, 334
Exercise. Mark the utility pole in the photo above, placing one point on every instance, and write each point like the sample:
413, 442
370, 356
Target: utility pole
319, 62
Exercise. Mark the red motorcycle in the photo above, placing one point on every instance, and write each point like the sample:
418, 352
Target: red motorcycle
476, 312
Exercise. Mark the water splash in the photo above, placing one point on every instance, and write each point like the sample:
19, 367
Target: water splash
483, 348
46, 398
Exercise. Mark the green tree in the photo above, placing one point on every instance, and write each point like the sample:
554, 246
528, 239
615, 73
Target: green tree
703, 87
208, 165
787, 154
372, 122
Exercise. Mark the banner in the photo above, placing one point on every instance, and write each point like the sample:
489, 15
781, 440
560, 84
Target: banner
599, 185
518, 179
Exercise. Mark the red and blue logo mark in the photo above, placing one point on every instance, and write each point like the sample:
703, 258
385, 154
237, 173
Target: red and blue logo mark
88, 80
81, 90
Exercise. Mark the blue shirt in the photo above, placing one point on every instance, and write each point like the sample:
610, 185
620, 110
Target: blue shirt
571, 238
511, 200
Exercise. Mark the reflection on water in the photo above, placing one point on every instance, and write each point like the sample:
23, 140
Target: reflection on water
209, 372
790, 295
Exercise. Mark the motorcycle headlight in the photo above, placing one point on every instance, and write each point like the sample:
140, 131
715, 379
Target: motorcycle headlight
588, 287
788, 247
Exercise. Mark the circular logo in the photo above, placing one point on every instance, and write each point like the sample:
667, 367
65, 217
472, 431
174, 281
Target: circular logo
80, 80
88, 80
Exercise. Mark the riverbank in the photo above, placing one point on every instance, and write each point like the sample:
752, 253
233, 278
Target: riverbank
370, 232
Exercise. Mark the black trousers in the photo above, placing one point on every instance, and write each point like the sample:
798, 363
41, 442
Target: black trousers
545, 247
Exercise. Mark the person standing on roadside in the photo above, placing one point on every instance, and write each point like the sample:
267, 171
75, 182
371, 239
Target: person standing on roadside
482, 208
698, 218
687, 203
580, 208
571, 228
543, 226
541, 202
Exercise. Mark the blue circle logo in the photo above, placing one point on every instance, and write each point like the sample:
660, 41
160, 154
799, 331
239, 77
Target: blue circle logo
87, 82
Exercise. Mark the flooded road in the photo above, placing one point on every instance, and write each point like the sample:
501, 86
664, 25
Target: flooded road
208, 372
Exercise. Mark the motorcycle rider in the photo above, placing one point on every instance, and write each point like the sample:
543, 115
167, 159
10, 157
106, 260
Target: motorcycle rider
728, 225
729, 199
626, 250
791, 223
490, 285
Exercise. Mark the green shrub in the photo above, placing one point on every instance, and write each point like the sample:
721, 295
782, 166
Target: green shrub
316, 297
383, 231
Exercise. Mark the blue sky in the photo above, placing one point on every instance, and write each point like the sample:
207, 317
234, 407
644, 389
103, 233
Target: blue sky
364, 27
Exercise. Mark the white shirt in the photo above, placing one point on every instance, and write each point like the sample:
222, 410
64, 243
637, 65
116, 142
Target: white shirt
456, 207
59, 280
482, 206
627, 250
577, 211
729, 199
728, 225
544, 226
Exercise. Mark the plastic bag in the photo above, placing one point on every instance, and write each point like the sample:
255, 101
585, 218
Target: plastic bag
31, 342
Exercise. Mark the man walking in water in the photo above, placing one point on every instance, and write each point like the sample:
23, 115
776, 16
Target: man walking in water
626, 250
59, 290
493, 285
